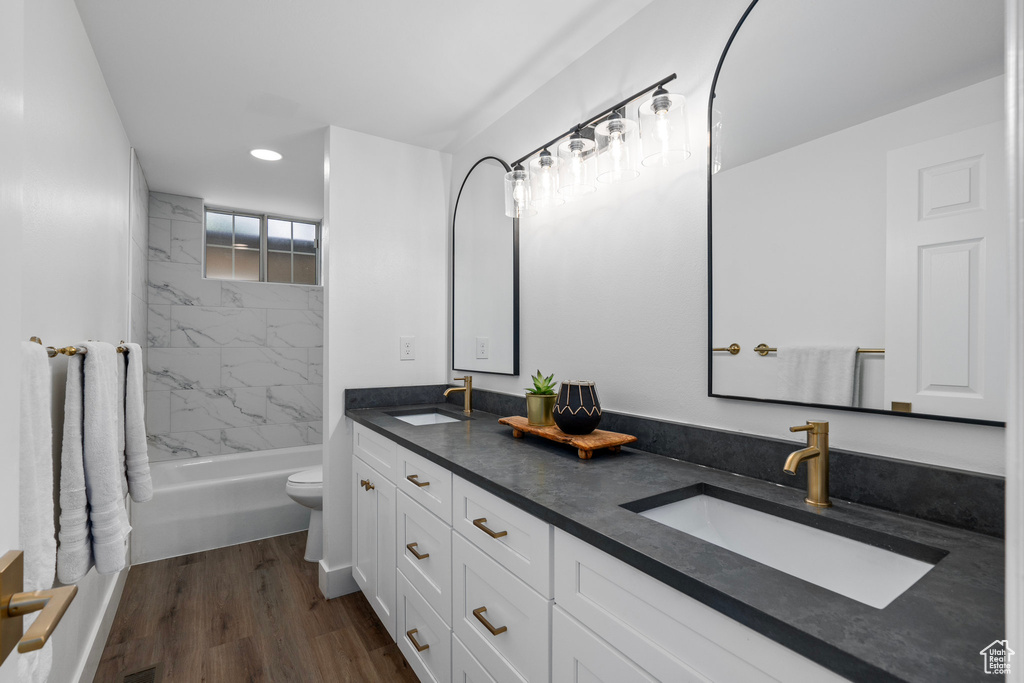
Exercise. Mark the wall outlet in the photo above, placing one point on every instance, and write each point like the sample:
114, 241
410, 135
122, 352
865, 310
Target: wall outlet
407, 348
483, 347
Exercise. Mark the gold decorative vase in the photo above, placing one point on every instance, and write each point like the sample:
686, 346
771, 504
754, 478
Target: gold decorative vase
539, 409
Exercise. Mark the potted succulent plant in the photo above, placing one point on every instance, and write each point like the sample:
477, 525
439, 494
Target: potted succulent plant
540, 400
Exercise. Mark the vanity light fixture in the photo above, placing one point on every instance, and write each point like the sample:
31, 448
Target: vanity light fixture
663, 122
655, 132
616, 149
578, 158
517, 192
544, 180
266, 154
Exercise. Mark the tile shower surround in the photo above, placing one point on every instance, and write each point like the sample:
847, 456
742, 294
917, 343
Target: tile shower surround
232, 366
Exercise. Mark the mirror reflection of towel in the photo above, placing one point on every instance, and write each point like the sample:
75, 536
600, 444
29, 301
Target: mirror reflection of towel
818, 374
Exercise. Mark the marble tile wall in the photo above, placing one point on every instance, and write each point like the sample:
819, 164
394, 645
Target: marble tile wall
232, 366
138, 212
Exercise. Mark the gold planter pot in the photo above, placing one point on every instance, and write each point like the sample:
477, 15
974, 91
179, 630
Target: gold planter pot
539, 409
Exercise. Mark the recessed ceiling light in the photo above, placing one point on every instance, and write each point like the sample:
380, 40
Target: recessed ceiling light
266, 154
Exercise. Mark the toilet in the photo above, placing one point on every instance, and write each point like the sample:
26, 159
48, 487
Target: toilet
307, 488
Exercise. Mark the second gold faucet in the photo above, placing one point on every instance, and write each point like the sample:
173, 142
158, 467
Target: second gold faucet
468, 389
816, 455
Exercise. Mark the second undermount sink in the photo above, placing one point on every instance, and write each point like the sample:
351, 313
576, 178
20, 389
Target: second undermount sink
424, 417
869, 566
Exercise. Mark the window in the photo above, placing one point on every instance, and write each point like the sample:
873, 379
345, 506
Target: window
261, 248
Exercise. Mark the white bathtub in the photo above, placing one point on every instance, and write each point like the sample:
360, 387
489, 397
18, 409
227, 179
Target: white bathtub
204, 503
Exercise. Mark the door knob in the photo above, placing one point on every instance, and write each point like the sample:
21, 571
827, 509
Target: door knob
14, 604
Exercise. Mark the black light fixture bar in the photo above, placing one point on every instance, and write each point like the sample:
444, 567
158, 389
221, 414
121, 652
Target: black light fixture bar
595, 119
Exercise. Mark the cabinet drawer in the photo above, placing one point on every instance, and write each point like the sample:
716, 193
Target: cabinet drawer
432, 659
431, 575
523, 542
427, 483
377, 451
521, 648
647, 620
579, 656
465, 668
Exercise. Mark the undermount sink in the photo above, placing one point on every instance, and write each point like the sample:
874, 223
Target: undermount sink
871, 567
424, 417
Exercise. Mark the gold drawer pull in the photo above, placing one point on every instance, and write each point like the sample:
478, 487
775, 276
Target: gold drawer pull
414, 478
479, 524
479, 614
365, 483
411, 635
412, 549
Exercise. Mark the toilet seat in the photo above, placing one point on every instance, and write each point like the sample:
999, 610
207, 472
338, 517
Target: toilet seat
312, 477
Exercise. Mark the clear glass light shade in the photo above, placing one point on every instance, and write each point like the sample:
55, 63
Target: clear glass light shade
617, 150
517, 193
544, 181
577, 158
663, 131
716, 141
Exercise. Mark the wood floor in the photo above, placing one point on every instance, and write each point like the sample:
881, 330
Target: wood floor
247, 613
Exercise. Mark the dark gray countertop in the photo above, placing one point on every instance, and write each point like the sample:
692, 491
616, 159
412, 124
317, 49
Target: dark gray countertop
933, 632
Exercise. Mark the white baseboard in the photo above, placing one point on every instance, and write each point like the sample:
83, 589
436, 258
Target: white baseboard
91, 661
337, 581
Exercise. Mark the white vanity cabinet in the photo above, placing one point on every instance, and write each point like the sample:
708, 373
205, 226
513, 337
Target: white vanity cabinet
373, 540
474, 588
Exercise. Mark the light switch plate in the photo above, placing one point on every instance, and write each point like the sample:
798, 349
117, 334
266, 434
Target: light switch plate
407, 348
483, 347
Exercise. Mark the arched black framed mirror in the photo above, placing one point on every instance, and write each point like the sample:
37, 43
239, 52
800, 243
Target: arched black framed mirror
856, 208
485, 274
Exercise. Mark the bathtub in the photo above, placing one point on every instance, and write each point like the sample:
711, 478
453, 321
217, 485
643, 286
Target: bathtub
205, 503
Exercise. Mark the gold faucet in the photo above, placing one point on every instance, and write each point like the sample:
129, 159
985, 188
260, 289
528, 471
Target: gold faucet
816, 455
468, 379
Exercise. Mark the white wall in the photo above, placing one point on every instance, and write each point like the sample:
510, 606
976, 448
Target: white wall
613, 286
386, 274
11, 130
75, 240
776, 217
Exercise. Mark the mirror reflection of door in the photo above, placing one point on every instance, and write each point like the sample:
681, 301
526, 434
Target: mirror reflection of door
829, 144
485, 302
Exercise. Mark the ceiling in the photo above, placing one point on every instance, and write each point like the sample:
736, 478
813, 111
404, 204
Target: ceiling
198, 83
802, 69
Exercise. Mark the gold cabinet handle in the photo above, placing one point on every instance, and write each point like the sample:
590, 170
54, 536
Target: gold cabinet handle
479, 614
365, 483
411, 635
51, 605
479, 524
414, 478
731, 348
412, 549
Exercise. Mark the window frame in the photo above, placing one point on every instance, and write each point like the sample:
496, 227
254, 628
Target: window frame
264, 219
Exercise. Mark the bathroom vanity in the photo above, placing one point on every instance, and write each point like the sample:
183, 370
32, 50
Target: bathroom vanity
500, 559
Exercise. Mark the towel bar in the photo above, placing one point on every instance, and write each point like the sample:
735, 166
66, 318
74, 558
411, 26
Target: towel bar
764, 350
70, 350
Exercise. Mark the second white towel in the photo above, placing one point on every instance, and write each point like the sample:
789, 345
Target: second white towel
817, 374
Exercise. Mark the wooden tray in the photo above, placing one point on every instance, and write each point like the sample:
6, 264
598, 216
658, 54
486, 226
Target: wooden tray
585, 444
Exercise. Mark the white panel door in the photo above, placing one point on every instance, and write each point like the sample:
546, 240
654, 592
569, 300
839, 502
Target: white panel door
946, 281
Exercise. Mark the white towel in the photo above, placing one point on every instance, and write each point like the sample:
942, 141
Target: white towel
108, 516
121, 369
140, 484
817, 374
74, 556
35, 514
